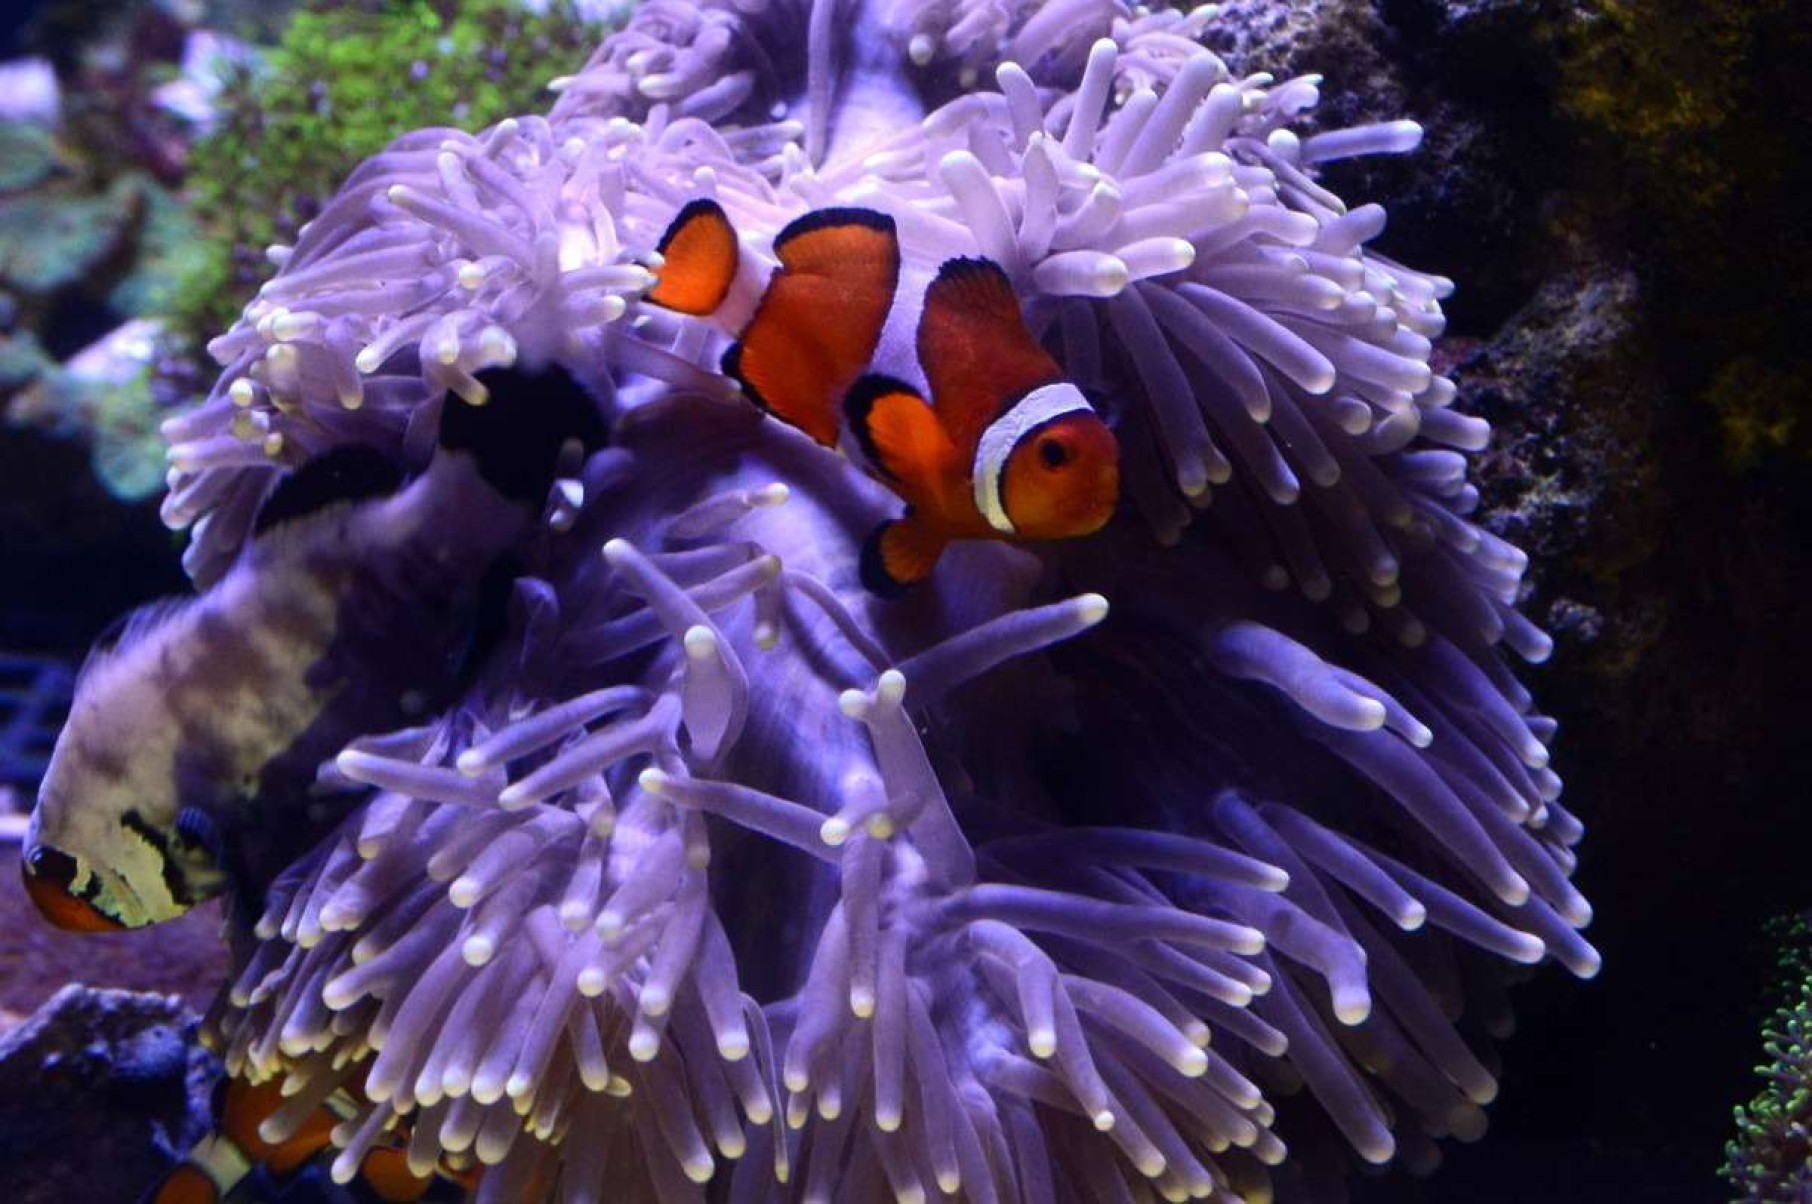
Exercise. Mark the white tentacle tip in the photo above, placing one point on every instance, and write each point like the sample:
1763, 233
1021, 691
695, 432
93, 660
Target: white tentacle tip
891, 687
701, 642
1091, 608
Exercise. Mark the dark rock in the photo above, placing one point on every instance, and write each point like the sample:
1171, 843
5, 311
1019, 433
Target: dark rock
100, 1091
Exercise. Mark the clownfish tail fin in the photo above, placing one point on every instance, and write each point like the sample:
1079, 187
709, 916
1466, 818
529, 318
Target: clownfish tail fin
699, 255
900, 553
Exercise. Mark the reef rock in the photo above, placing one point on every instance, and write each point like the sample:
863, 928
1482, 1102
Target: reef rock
99, 1092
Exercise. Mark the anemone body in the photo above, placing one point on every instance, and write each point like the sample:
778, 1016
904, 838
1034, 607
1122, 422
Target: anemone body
1146, 864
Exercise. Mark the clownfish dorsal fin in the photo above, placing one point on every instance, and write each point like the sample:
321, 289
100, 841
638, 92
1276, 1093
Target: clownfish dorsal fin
896, 429
900, 553
818, 323
352, 472
698, 260
975, 350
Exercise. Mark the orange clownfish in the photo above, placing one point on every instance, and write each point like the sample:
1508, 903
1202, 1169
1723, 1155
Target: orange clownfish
843, 342
235, 1162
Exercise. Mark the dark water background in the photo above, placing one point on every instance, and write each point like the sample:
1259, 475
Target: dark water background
1689, 769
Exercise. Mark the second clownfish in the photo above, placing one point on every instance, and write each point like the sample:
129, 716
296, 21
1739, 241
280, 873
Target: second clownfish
844, 343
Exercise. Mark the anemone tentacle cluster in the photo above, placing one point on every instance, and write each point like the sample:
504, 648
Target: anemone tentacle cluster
728, 880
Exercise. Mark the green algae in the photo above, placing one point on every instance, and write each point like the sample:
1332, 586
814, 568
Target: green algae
343, 83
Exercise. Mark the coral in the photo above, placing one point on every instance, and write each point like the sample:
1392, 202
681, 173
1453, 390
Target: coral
27, 155
1087, 870
331, 93
113, 394
49, 241
1770, 1159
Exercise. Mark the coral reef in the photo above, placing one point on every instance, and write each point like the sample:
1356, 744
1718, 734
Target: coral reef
98, 1091
1681, 151
724, 859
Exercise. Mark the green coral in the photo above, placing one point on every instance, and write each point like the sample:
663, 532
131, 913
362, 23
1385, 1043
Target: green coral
27, 155
343, 83
53, 239
1770, 1160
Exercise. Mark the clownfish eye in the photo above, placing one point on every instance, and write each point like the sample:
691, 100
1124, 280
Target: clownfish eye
1054, 452
52, 866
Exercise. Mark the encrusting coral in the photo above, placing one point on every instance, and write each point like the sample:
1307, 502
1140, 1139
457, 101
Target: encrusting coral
729, 879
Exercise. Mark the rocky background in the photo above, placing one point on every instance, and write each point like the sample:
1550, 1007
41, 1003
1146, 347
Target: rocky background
1618, 187
1615, 186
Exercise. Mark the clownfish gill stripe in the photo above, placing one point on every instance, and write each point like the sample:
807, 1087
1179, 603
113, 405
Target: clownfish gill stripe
1042, 405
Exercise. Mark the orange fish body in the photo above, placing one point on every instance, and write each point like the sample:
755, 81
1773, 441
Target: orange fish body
844, 342
228, 1162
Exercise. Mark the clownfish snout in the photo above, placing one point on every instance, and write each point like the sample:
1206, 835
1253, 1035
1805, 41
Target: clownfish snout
1063, 480
50, 876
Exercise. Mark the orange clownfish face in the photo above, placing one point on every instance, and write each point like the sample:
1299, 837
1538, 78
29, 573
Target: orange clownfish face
1048, 468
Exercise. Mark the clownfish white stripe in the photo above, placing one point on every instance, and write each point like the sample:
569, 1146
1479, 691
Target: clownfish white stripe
1041, 405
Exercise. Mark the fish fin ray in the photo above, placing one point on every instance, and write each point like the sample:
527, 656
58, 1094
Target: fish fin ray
129, 629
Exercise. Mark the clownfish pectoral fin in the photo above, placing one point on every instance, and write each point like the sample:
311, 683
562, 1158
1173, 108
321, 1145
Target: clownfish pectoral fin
899, 553
817, 325
973, 343
897, 429
698, 260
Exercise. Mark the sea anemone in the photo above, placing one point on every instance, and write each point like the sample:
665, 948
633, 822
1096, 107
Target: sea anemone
726, 875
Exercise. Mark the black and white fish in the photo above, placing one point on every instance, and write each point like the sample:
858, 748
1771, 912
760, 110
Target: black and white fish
358, 605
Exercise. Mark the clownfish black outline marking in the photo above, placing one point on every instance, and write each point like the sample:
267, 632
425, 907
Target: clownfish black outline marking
845, 343
363, 597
